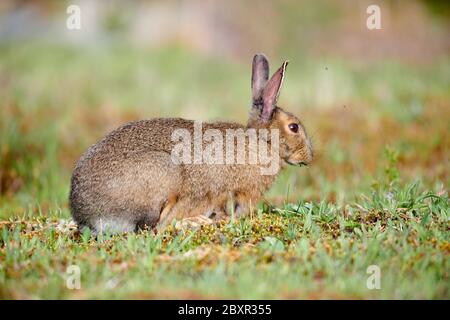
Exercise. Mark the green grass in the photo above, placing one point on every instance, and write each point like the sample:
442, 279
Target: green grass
377, 193
304, 250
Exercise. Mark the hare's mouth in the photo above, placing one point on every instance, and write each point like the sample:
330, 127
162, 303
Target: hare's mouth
298, 164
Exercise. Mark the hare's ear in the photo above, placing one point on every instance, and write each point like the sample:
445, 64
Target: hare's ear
260, 75
271, 92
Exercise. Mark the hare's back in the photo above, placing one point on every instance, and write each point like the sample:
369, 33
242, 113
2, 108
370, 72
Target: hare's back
138, 136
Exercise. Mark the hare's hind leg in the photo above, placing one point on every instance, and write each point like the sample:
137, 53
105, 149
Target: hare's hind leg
171, 201
181, 207
195, 212
166, 209
137, 191
159, 183
194, 222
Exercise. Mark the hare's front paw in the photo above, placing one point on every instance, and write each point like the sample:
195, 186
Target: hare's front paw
193, 222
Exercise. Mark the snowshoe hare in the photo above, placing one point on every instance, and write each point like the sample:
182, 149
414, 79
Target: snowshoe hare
140, 175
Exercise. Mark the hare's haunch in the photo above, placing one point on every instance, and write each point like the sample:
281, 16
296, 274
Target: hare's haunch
149, 172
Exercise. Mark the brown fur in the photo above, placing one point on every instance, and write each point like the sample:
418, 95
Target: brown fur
128, 180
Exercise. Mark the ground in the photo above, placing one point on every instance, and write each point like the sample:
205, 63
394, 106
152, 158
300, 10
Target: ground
304, 250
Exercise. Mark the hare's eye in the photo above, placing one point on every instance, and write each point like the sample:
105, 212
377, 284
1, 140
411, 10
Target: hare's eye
293, 127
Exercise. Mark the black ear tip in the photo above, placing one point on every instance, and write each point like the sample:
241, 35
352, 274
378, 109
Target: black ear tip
259, 57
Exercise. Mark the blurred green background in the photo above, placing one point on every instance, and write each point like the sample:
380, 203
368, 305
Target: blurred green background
362, 94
